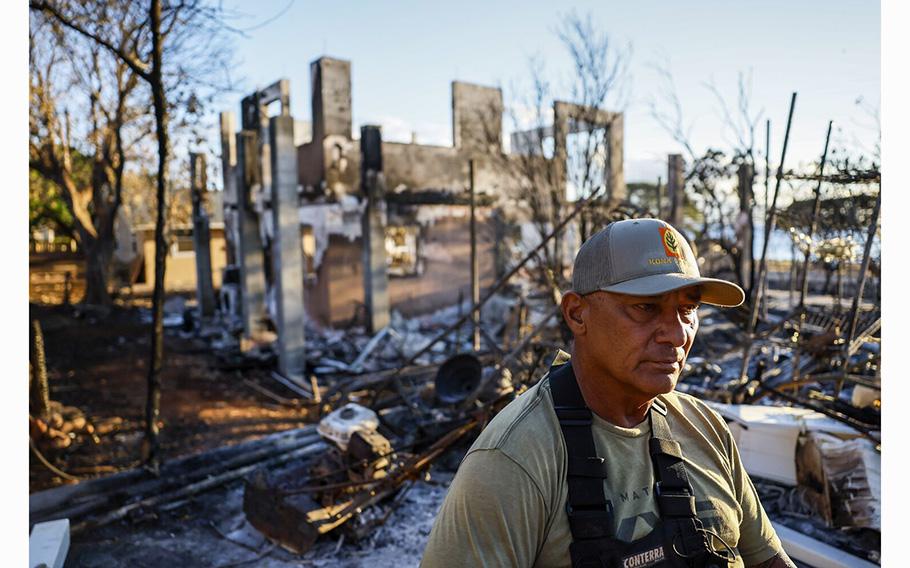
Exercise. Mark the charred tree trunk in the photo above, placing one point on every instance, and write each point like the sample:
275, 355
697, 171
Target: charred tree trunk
153, 401
97, 272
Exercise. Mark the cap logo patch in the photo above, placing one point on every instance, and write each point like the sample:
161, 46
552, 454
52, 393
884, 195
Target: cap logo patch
670, 242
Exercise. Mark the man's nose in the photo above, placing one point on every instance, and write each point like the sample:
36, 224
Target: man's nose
671, 328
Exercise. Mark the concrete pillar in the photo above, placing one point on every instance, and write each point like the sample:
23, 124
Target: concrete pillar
205, 292
252, 273
229, 177
330, 97
375, 277
287, 250
560, 166
675, 189
615, 178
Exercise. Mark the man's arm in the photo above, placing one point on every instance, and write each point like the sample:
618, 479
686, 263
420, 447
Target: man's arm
757, 537
779, 560
493, 515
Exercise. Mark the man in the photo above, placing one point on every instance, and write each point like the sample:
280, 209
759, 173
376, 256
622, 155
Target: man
602, 463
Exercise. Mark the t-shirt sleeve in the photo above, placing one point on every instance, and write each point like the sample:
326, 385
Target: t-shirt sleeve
757, 539
493, 515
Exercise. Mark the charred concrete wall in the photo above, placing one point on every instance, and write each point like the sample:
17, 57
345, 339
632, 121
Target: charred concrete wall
426, 177
476, 118
335, 296
329, 165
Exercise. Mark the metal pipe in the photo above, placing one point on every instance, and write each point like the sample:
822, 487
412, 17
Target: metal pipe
769, 225
816, 209
864, 269
763, 284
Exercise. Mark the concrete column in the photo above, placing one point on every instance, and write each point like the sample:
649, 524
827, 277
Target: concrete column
252, 274
375, 277
287, 251
560, 166
205, 292
615, 177
675, 189
229, 177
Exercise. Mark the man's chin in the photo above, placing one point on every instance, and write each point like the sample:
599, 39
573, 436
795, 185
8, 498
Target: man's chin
658, 384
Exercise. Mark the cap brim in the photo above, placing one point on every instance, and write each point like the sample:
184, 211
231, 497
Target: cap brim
713, 291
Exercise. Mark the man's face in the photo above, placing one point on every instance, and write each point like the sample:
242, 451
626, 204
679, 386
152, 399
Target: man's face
640, 343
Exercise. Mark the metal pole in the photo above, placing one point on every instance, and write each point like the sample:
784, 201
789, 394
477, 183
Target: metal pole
864, 269
763, 284
579, 206
769, 225
475, 273
816, 208
771, 218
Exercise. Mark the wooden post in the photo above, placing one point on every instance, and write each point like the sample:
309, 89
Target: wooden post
675, 189
475, 273
40, 389
660, 206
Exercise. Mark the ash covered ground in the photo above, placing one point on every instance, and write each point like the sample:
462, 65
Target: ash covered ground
211, 531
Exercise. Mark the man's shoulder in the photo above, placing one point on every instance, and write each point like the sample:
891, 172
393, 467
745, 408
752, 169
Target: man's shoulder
690, 405
686, 410
526, 430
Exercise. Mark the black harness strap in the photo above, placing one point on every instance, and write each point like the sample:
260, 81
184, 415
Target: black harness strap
590, 513
672, 488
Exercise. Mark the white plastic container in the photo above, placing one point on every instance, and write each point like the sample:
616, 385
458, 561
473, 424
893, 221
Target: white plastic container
341, 423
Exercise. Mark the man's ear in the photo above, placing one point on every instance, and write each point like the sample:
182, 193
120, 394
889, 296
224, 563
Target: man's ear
574, 310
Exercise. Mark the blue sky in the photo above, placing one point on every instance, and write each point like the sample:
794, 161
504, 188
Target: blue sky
405, 54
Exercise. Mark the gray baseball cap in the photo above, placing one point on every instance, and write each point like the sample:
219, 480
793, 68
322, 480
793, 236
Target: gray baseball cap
645, 257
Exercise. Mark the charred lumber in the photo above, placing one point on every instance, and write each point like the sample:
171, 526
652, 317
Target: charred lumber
74, 501
860, 427
38, 385
297, 505
198, 487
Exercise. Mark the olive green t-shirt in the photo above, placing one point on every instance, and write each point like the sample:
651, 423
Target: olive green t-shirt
506, 504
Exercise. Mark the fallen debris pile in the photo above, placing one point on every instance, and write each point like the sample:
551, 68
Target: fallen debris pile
137, 492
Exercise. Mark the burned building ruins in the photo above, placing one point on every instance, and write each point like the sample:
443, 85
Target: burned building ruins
364, 225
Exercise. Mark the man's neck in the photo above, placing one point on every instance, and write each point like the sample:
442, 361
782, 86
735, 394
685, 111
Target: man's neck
608, 400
